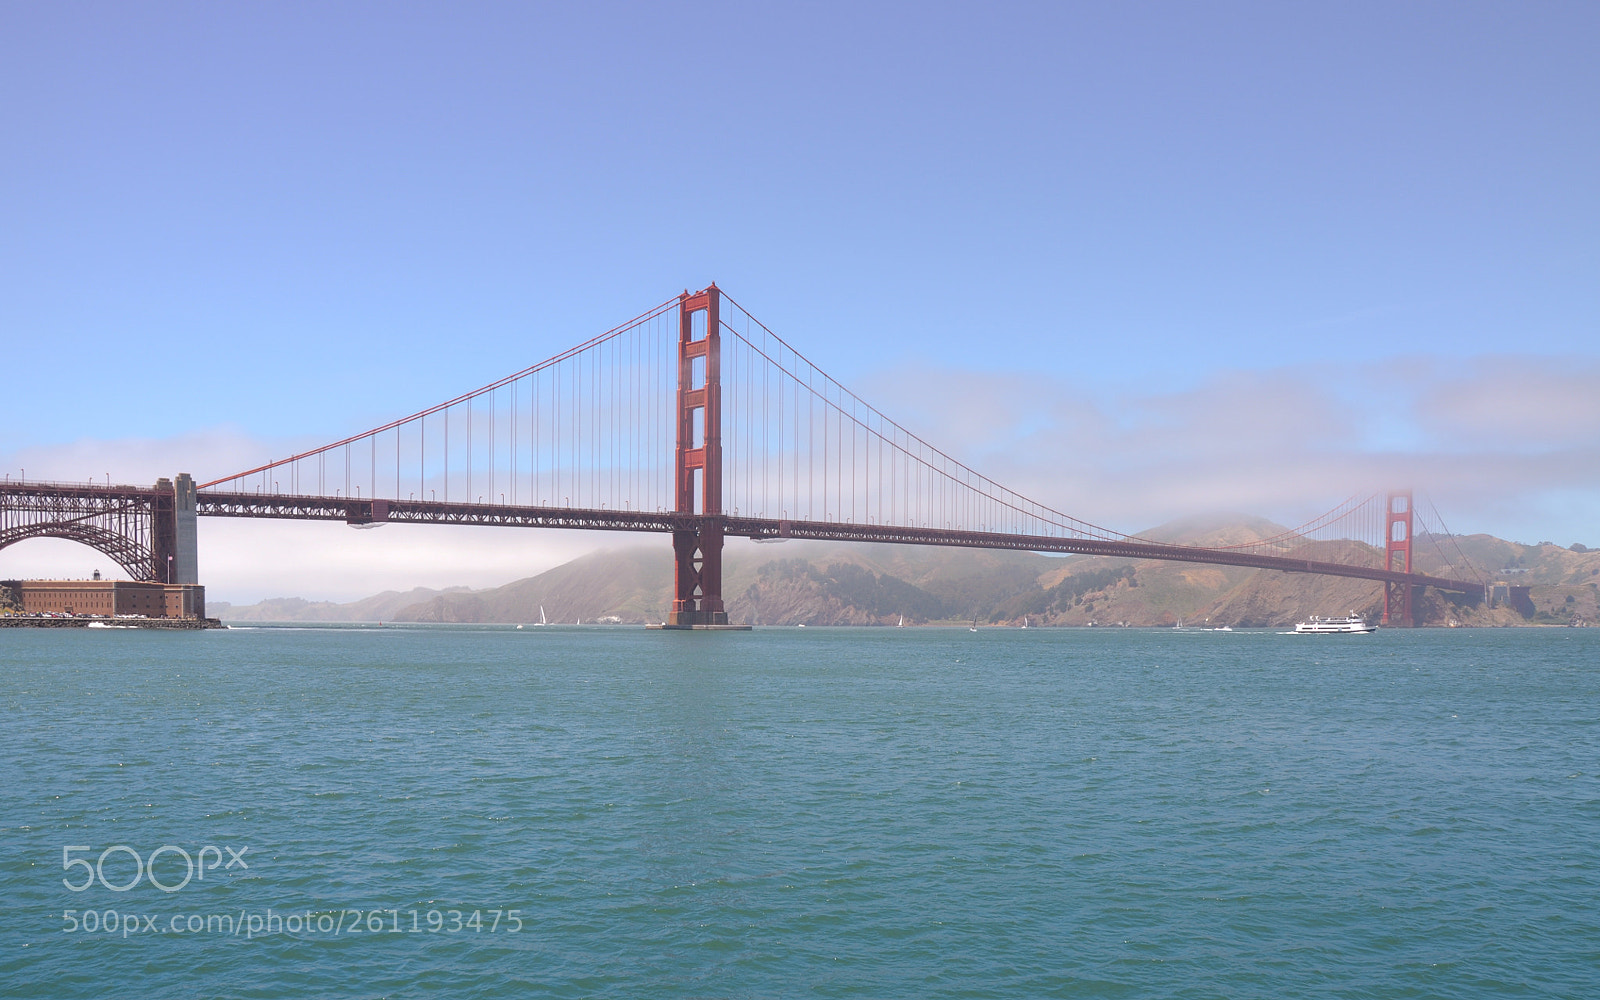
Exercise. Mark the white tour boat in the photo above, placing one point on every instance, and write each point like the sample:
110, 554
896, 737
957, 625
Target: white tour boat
1351, 624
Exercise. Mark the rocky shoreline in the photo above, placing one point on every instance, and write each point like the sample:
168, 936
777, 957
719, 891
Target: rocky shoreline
84, 621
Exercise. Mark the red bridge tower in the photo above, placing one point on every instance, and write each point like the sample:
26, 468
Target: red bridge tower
1397, 531
697, 576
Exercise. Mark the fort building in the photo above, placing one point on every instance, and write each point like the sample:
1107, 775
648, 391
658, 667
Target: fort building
107, 597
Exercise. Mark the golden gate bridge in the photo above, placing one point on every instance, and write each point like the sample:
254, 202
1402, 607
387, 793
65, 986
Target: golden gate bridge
692, 419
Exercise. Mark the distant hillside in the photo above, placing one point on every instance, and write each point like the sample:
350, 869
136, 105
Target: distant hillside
1563, 582
377, 608
819, 583
1544, 564
632, 585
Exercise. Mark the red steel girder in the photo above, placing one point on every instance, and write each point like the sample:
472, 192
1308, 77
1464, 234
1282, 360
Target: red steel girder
847, 532
214, 504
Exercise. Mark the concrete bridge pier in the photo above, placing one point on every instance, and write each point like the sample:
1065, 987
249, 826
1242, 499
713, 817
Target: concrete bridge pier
175, 543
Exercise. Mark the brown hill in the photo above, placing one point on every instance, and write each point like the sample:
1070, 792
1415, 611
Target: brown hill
836, 584
797, 582
629, 585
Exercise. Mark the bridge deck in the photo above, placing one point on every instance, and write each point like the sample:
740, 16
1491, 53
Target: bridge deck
359, 511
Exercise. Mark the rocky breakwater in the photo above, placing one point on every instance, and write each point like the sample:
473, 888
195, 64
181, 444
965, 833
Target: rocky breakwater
88, 621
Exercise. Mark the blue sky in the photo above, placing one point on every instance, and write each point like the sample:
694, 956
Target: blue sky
1182, 231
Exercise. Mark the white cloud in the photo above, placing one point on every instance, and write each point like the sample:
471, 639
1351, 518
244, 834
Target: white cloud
1514, 403
1492, 442
244, 560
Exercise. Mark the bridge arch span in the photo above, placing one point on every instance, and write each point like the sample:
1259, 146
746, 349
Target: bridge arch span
135, 559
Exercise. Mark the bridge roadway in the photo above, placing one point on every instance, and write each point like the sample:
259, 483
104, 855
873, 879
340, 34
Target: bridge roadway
211, 503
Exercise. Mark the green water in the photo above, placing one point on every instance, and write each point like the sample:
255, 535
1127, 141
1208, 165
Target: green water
801, 812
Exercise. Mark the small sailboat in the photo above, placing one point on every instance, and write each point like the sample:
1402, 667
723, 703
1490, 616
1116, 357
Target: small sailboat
1024, 621
902, 622
541, 622
974, 626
